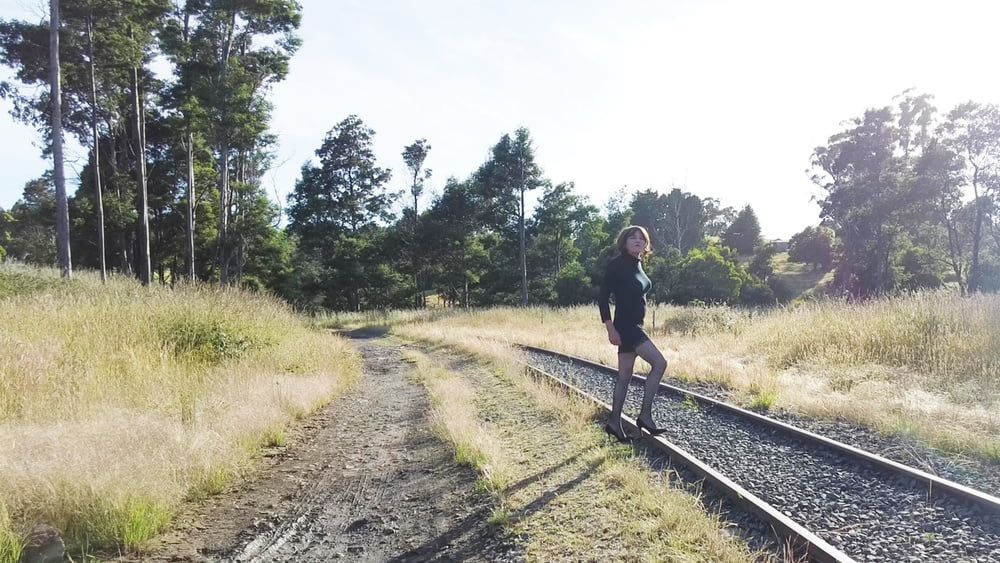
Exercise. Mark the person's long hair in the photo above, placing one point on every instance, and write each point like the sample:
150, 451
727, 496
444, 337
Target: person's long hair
627, 232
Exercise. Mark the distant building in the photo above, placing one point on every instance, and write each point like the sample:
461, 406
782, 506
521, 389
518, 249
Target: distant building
780, 245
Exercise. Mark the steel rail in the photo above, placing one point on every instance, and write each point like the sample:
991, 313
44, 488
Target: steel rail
934, 483
798, 536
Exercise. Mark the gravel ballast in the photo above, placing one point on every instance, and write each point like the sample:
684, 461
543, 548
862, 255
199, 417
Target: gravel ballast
869, 513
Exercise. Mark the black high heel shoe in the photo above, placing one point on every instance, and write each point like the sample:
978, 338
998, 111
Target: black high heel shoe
653, 431
623, 438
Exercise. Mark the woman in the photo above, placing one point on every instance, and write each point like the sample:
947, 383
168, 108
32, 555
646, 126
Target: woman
625, 279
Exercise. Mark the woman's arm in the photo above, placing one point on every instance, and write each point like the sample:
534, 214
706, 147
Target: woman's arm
603, 303
613, 336
604, 296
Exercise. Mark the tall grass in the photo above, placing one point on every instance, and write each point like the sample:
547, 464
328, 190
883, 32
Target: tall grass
945, 340
454, 419
117, 402
926, 365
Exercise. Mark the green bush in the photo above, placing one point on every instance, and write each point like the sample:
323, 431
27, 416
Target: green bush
21, 281
208, 340
814, 245
756, 292
709, 274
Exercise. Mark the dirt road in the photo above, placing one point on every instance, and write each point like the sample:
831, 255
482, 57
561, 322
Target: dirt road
364, 479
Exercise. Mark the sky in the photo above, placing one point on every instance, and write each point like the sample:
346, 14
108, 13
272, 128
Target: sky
723, 99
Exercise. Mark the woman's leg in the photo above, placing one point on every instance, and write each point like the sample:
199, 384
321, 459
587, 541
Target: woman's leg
649, 352
625, 364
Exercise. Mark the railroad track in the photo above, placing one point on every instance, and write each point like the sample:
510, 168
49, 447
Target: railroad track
836, 502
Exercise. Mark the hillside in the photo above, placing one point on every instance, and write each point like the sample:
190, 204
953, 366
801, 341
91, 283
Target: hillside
800, 279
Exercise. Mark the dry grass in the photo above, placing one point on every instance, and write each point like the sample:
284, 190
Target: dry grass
117, 402
566, 490
454, 420
926, 365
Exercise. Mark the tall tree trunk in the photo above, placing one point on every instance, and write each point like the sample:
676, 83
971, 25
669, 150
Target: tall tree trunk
191, 206
223, 211
98, 191
145, 186
115, 163
240, 259
140, 177
524, 259
224, 195
977, 235
678, 235
955, 251
190, 163
55, 88
419, 298
558, 251
236, 235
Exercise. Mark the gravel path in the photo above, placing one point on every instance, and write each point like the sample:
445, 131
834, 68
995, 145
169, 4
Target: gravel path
866, 512
363, 479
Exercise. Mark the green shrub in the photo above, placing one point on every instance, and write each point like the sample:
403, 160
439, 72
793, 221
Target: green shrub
210, 341
126, 523
709, 274
14, 282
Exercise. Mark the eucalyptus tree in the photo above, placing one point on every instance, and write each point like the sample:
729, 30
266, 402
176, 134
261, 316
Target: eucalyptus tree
565, 229
676, 218
649, 210
106, 42
33, 51
502, 182
972, 130
414, 156
866, 196
685, 220
234, 51
176, 45
59, 176
939, 178
717, 218
812, 245
95, 147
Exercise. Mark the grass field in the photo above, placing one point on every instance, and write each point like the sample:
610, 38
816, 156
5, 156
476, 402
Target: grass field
926, 365
117, 402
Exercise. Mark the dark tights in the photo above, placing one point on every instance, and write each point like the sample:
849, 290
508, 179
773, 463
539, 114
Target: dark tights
626, 363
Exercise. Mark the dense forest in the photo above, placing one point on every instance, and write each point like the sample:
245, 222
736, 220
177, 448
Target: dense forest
172, 187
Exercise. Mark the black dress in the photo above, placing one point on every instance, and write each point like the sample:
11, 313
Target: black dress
625, 280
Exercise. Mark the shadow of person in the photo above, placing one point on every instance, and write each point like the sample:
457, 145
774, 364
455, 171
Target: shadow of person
475, 537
